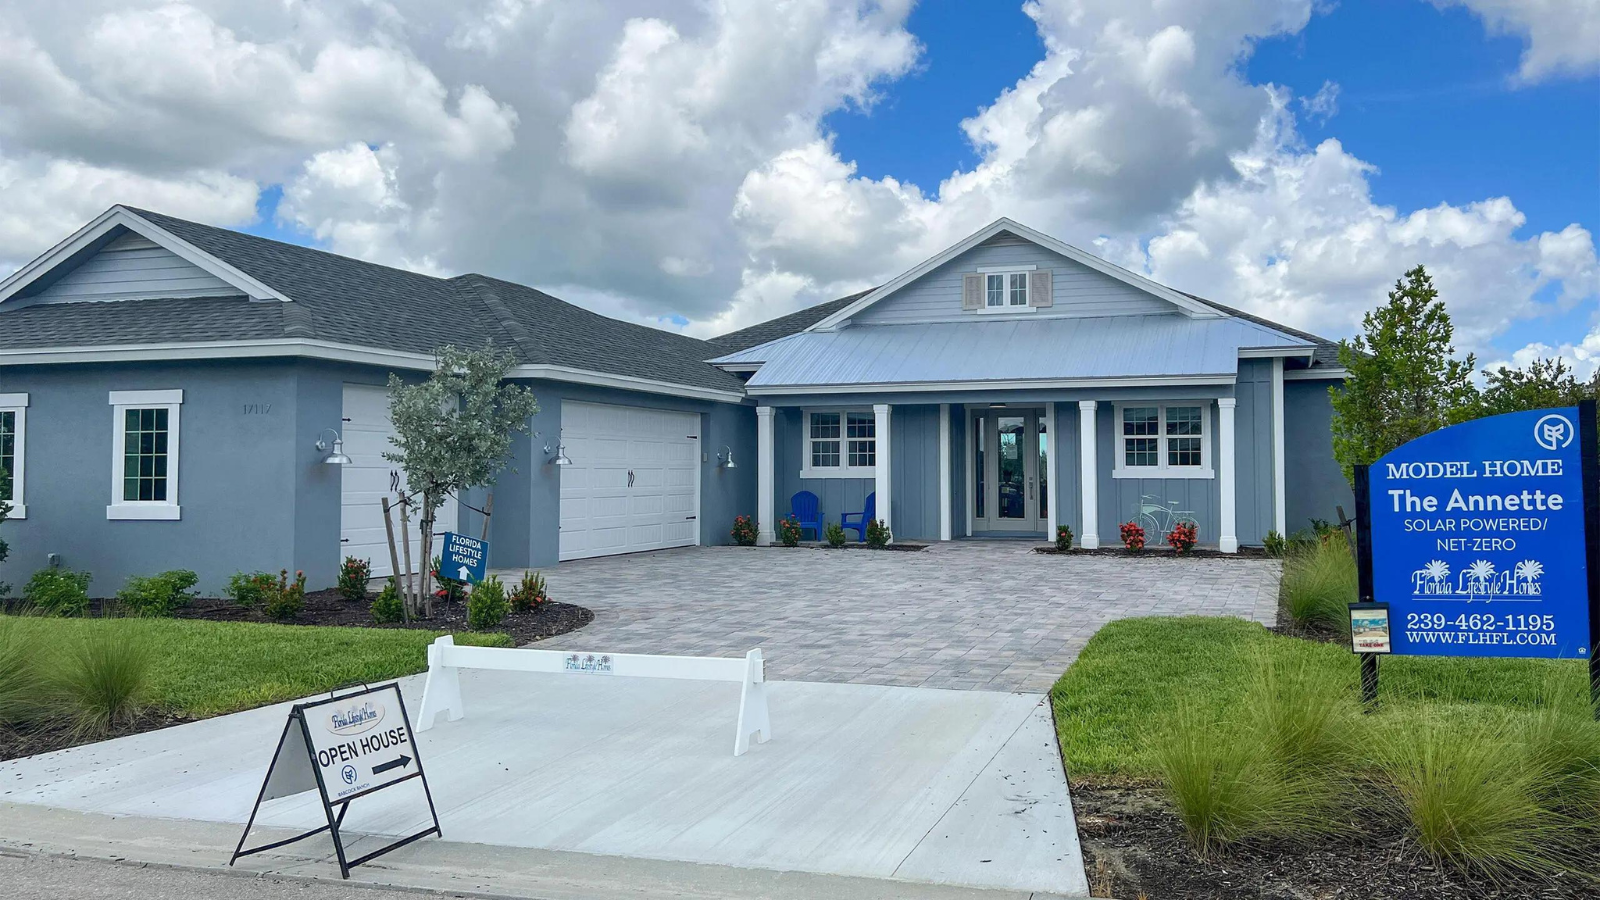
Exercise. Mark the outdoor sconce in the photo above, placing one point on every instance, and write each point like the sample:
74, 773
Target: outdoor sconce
560, 457
725, 458
337, 457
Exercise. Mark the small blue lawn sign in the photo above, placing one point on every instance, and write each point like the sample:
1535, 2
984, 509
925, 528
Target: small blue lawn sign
1478, 539
464, 558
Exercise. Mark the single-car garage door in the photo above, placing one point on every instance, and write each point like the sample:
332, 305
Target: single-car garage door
368, 478
634, 482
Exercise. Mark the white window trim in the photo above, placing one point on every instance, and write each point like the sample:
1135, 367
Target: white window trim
1119, 446
145, 510
18, 403
1006, 273
843, 470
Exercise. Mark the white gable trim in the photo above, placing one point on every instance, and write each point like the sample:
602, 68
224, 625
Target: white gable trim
124, 217
1188, 305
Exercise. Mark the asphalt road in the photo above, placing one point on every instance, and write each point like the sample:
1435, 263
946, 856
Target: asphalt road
29, 877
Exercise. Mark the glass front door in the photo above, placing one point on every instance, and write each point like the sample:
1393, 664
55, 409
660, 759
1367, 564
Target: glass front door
1010, 471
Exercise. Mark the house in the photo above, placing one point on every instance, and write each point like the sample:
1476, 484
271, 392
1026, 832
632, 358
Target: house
1006, 385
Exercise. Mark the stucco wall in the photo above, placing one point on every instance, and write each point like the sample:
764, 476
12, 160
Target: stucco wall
239, 464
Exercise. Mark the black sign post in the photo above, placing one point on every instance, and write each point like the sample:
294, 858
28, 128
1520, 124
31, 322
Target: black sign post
1589, 447
1363, 548
348, 746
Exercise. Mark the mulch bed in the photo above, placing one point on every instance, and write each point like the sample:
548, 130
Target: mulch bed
1154, 552
1133, 846
48, 736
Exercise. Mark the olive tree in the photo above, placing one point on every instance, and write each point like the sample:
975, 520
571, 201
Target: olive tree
452, 432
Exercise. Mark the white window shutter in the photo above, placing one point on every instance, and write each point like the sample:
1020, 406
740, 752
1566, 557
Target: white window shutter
1039, 288
972, 291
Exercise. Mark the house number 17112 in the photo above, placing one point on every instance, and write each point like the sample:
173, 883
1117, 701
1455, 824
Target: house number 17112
257, 409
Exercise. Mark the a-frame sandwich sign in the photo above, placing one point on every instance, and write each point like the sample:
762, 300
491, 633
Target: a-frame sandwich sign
344, 747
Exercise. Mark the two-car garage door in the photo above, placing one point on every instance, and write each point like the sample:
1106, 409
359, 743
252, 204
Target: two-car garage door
634, 481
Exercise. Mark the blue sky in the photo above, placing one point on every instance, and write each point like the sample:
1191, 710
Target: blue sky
1426, 95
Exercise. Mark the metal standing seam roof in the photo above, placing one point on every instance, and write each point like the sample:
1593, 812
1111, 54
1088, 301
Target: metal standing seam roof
1012, 350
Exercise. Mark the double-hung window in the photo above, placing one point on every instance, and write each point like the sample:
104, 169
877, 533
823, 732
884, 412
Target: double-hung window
1163, 440
13, 453
1005, 291
840, 444
144, 455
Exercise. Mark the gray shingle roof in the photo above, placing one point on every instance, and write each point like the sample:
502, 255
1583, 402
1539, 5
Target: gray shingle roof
783, 326
348, 301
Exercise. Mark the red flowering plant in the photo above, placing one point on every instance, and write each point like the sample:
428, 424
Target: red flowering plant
1182, 536
744, 531
446, 590
1133, 536
789, 532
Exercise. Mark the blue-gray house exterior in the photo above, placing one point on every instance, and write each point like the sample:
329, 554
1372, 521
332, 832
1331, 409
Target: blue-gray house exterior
252, 352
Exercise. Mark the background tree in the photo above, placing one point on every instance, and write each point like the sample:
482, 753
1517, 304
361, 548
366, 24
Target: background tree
1543, 384
1404, 378
452, 432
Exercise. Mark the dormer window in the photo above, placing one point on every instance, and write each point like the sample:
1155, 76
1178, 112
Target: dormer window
1005, 289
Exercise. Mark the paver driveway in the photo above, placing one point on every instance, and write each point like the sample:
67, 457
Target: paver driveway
977, 615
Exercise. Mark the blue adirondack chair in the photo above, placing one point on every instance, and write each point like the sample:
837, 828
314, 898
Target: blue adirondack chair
806, 509
857, 522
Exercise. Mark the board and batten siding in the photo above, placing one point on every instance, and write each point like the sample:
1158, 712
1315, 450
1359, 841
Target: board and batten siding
132, 267
1316, 485
1078, 291
914, 466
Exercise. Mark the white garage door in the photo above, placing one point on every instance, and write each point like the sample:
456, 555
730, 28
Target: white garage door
634, 482
368, 478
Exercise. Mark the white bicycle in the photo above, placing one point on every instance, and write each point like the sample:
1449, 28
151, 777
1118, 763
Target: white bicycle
1158, 519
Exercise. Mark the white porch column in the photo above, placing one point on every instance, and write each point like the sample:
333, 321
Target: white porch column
945, 487
1090, 472
880, 416
1051, 470
1228, 540
766, 524
1279, 516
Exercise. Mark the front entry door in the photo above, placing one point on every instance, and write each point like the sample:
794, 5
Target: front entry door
1011, 454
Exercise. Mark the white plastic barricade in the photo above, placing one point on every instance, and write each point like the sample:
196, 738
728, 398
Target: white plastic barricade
443, 691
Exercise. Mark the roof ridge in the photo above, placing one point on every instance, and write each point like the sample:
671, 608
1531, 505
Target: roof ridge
478, 286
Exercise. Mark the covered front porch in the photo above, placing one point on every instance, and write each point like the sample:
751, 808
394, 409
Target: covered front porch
1019, 463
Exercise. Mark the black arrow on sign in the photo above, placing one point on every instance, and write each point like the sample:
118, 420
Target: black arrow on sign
400, 763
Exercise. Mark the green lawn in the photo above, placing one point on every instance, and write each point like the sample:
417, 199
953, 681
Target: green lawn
1135, 673
209, 668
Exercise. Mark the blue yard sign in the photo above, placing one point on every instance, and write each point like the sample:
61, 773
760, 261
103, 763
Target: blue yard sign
464, 558
1478, 538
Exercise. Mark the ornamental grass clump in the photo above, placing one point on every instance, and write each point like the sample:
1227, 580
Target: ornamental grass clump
1132, 536
487, 604
1319, 584
835, 534
105, 678
21, 680
353, 577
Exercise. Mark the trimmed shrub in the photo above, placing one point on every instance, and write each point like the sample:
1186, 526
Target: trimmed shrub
58, 592
878, 535
834, 532
744, 531
530, 593
104, 681
251, 589
487, 605
1182, 537
1132, 536
1275, 544
789, 532
287, 598
1319, 584
158, 595
1063, 538
388, 607
353, 577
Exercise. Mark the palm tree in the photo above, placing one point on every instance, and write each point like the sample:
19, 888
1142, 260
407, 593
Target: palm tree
1528, 572
1479, 574
1437, 571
